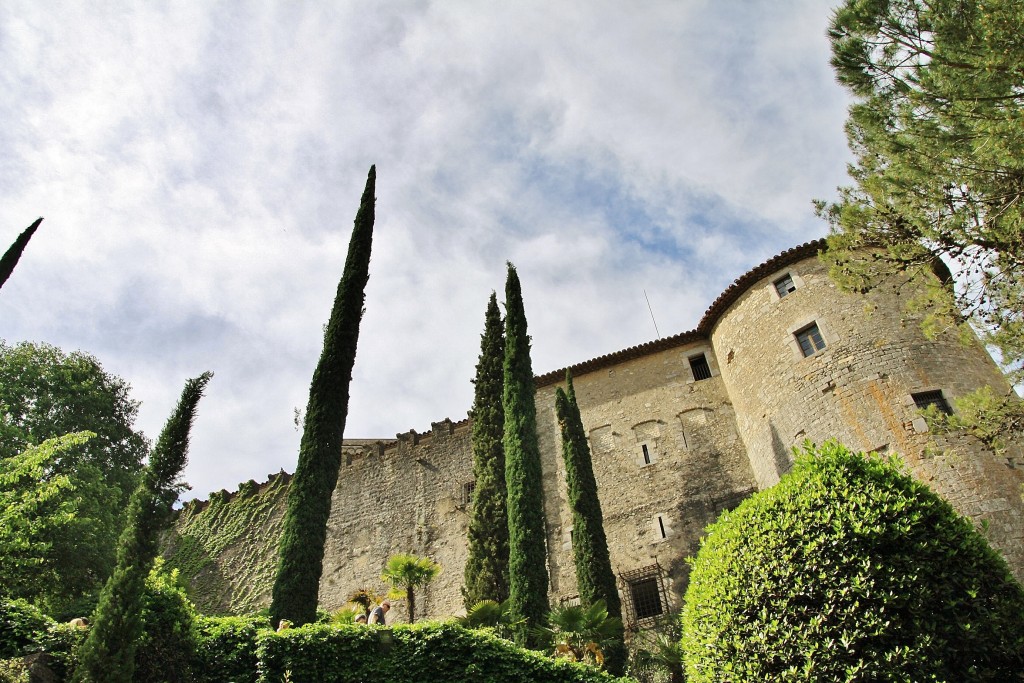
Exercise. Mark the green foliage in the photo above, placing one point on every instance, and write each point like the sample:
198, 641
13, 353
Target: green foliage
937, 131
168, 642
25, 630
365, 598
408, 654
997, 421
850, 570
405, 573
108, 655
13, 254
528, 577
581, 633
47, 394
492, 616
22, 625
301, 554
594, 576
486, 573
226, 648
43, 514
200, 538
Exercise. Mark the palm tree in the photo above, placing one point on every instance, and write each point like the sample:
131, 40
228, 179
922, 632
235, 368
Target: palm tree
365, 598
492, 615
580, 633
407, 573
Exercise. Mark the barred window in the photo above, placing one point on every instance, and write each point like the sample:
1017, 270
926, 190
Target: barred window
923, 399
467, 492
646, 598
644, 591
700, 368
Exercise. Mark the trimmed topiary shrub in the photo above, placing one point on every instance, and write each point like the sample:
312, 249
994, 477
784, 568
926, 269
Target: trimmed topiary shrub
168, 643
849, 570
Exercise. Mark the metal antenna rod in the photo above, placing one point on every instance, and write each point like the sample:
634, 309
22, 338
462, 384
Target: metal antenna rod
652, 315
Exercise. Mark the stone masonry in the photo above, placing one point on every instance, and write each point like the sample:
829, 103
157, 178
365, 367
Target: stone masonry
681, 429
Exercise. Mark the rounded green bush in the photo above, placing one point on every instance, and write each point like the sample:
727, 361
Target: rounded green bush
849, 570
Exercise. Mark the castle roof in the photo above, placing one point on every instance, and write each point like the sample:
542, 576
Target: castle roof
704, 327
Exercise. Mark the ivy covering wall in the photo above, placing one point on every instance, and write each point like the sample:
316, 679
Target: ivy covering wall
226, 550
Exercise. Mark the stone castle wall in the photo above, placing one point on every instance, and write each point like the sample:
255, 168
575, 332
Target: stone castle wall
671, 450
859, 389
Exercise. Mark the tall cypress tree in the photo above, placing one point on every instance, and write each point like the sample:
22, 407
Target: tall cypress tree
594, 573
528, 577
108, 654
301, 554
486, 573
11, 256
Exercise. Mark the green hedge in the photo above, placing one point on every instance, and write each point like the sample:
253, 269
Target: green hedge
415, 653
849, 570
226, 648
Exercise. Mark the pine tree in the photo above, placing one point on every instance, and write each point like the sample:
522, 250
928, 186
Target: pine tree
528, 578
301, 554
108, 654
486, 573
594, 574
935, 129
11, 256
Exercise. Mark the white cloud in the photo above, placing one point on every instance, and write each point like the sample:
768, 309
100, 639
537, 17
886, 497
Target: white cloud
199, 168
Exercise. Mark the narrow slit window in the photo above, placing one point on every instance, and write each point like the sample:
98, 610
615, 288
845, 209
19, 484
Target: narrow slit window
785, 285
810, 339
661, 526
924, 399
699, 366
647, 454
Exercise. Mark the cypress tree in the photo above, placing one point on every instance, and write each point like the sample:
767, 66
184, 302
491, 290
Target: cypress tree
528, 578
108, 654
486, 573
301, 554
589, 545
11, 256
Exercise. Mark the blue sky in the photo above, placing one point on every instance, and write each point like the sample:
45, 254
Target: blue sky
199, 165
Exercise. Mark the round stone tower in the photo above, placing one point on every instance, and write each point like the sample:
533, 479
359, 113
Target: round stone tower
803, 360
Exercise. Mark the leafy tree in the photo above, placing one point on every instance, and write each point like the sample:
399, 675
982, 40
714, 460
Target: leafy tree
301, 554
50, 524
937, 130
528, 578
405, 573
13, 254
594, 575
108, 654
46, 394
581, 633
849, 569
486, 572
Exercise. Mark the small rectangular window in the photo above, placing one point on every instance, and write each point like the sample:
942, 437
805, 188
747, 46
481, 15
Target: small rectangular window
661, 526
467, 492
699, 366
647, 454
924, 399
785, 285
810, 340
